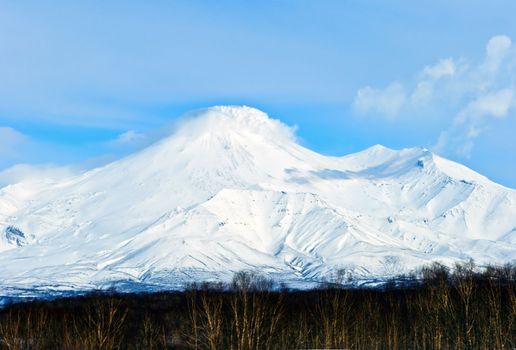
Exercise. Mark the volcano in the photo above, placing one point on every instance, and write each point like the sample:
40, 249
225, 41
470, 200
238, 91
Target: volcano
231, 189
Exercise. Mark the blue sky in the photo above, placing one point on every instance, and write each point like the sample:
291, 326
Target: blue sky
85, 82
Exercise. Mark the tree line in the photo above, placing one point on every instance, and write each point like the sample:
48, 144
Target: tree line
434, 308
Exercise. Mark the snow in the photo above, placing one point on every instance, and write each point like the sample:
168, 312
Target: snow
230, 189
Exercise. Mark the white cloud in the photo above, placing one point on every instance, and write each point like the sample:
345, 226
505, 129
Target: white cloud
132, 140
15, 147
125, 143
129, 137
495, 104
11, 141
497, 49
429, 78
443, 68
470, 122
386, 101
471, 94
26, 172
422, 93
391, 100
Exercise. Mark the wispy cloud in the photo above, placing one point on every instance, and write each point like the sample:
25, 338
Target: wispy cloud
396, 98
20, 153
17, 148
129, 138
132, 140
470, 95
429, 78
28, 172
11, 142
387, 101
469, 123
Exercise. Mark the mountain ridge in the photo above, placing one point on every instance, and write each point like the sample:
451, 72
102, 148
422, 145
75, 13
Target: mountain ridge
231, 189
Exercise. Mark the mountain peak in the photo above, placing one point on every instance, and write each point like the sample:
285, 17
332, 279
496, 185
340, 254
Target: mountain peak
242, 119
239, 112
378, 148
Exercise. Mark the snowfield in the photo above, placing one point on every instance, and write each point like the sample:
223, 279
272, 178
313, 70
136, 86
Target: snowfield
232, 190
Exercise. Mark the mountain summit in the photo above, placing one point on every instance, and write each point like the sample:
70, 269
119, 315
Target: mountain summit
230, 189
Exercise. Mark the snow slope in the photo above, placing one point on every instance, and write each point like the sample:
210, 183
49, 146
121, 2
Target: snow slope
231, 189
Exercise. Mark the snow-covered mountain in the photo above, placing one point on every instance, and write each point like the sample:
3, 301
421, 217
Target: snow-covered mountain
231, 190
